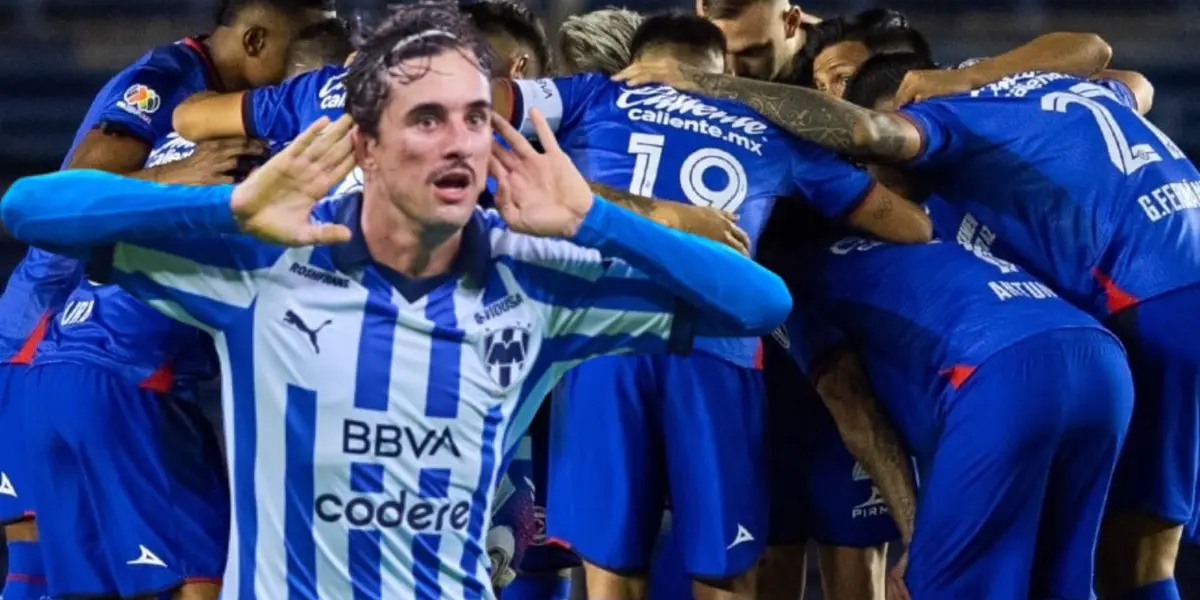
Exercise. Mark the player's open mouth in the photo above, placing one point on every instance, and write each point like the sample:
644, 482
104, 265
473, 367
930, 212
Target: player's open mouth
452, 186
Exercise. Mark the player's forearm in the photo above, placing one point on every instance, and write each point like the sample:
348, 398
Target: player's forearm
735, 296
817, 117
871, 438
209, 116
1080, 54
81, 209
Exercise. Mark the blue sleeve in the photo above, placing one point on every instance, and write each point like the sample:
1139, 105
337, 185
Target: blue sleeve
733, 296
176, 247
833, 186
812, 339
140, 100
562, 100
1120, 90
276, 112
942, 140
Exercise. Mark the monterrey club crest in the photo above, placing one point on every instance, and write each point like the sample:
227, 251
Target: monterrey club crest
506, 352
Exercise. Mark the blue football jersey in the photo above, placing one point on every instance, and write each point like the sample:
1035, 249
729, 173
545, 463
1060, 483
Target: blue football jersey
658, 142
1080, 188
102, 324
280, 113
133, 102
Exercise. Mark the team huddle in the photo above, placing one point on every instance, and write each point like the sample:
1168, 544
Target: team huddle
404, 303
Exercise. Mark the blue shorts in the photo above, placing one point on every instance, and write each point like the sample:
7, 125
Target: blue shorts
628, 431
818, 490
1012, 502
16, 491
1157, 474
132, 499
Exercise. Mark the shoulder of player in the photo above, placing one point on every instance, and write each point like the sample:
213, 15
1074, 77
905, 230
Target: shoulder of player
515, 248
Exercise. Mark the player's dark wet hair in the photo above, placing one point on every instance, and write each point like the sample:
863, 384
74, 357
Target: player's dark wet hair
514, 19
678, 29
879, 77
881, 30
421, 30
324, 43
227, 10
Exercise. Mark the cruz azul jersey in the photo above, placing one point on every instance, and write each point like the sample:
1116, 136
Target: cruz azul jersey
658, 142
934, 312
366, 432
1086, 193
280, 113
137, 101
102, 324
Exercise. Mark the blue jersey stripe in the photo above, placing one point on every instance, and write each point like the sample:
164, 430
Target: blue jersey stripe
372, 379
300, 445
366, 560
472, 588
239, 340
236, 252
205, 310
441, 394
425, 565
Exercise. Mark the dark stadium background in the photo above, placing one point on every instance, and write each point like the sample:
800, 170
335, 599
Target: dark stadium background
55, 54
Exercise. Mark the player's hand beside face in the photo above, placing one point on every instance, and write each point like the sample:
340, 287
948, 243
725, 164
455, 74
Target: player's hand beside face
934, 83
540, 194
213, 162
276, 200
660, 71
710, 223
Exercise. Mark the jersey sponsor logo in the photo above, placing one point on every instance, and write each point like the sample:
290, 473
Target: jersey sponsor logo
404, 510
319, 276
76, 312
293, 319
140, 101
872, 507
148, 558
506, 353
666, 106
172, 148
498, 308
741, 537
333, 93
384, 440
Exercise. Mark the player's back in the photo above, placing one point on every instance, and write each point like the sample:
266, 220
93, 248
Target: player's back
1077, 184
933, 311
658, 142
102, 324
130, 102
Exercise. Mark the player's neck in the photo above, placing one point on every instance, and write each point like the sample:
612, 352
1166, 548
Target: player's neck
225, 50
398, 242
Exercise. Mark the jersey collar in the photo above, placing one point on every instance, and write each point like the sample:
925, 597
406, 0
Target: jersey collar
211, 75
472, 260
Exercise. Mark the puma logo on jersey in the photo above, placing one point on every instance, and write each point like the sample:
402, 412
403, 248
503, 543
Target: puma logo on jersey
147, 558
293, 319
741, 537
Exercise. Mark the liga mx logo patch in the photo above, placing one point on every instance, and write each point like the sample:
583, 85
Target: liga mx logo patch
141, 101
506, 352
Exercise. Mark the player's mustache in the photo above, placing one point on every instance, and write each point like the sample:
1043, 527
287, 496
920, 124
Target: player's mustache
456, 165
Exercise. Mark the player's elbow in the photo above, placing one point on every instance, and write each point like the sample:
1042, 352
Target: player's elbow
186, 123
769, 301
19, 204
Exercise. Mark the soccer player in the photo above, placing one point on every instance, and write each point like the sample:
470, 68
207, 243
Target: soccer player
1095, 234
451, 323
658, 142
1014, 402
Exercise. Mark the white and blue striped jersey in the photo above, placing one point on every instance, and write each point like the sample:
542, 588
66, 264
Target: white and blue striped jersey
366, 431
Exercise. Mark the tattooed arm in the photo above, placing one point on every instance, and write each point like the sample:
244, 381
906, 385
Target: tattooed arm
870, 437
807, 114
708, 223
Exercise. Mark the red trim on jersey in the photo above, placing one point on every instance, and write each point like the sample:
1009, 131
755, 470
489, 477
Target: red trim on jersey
196, 45
215, 580
29, 348
161, 380
1116, 298
561, 543
758, 355
958, 375
25, 578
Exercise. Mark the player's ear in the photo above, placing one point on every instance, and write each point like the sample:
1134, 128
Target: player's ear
793, 17
516, 68
254, 40
363, 145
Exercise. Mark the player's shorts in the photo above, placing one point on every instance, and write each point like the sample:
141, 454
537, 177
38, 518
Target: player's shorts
1157, 473
133, 499
818, 490
1191, 532
1012, 503
16, 487
629, 431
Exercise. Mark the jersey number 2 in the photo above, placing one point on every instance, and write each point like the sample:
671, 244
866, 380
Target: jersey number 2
1128, 159
647, 149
